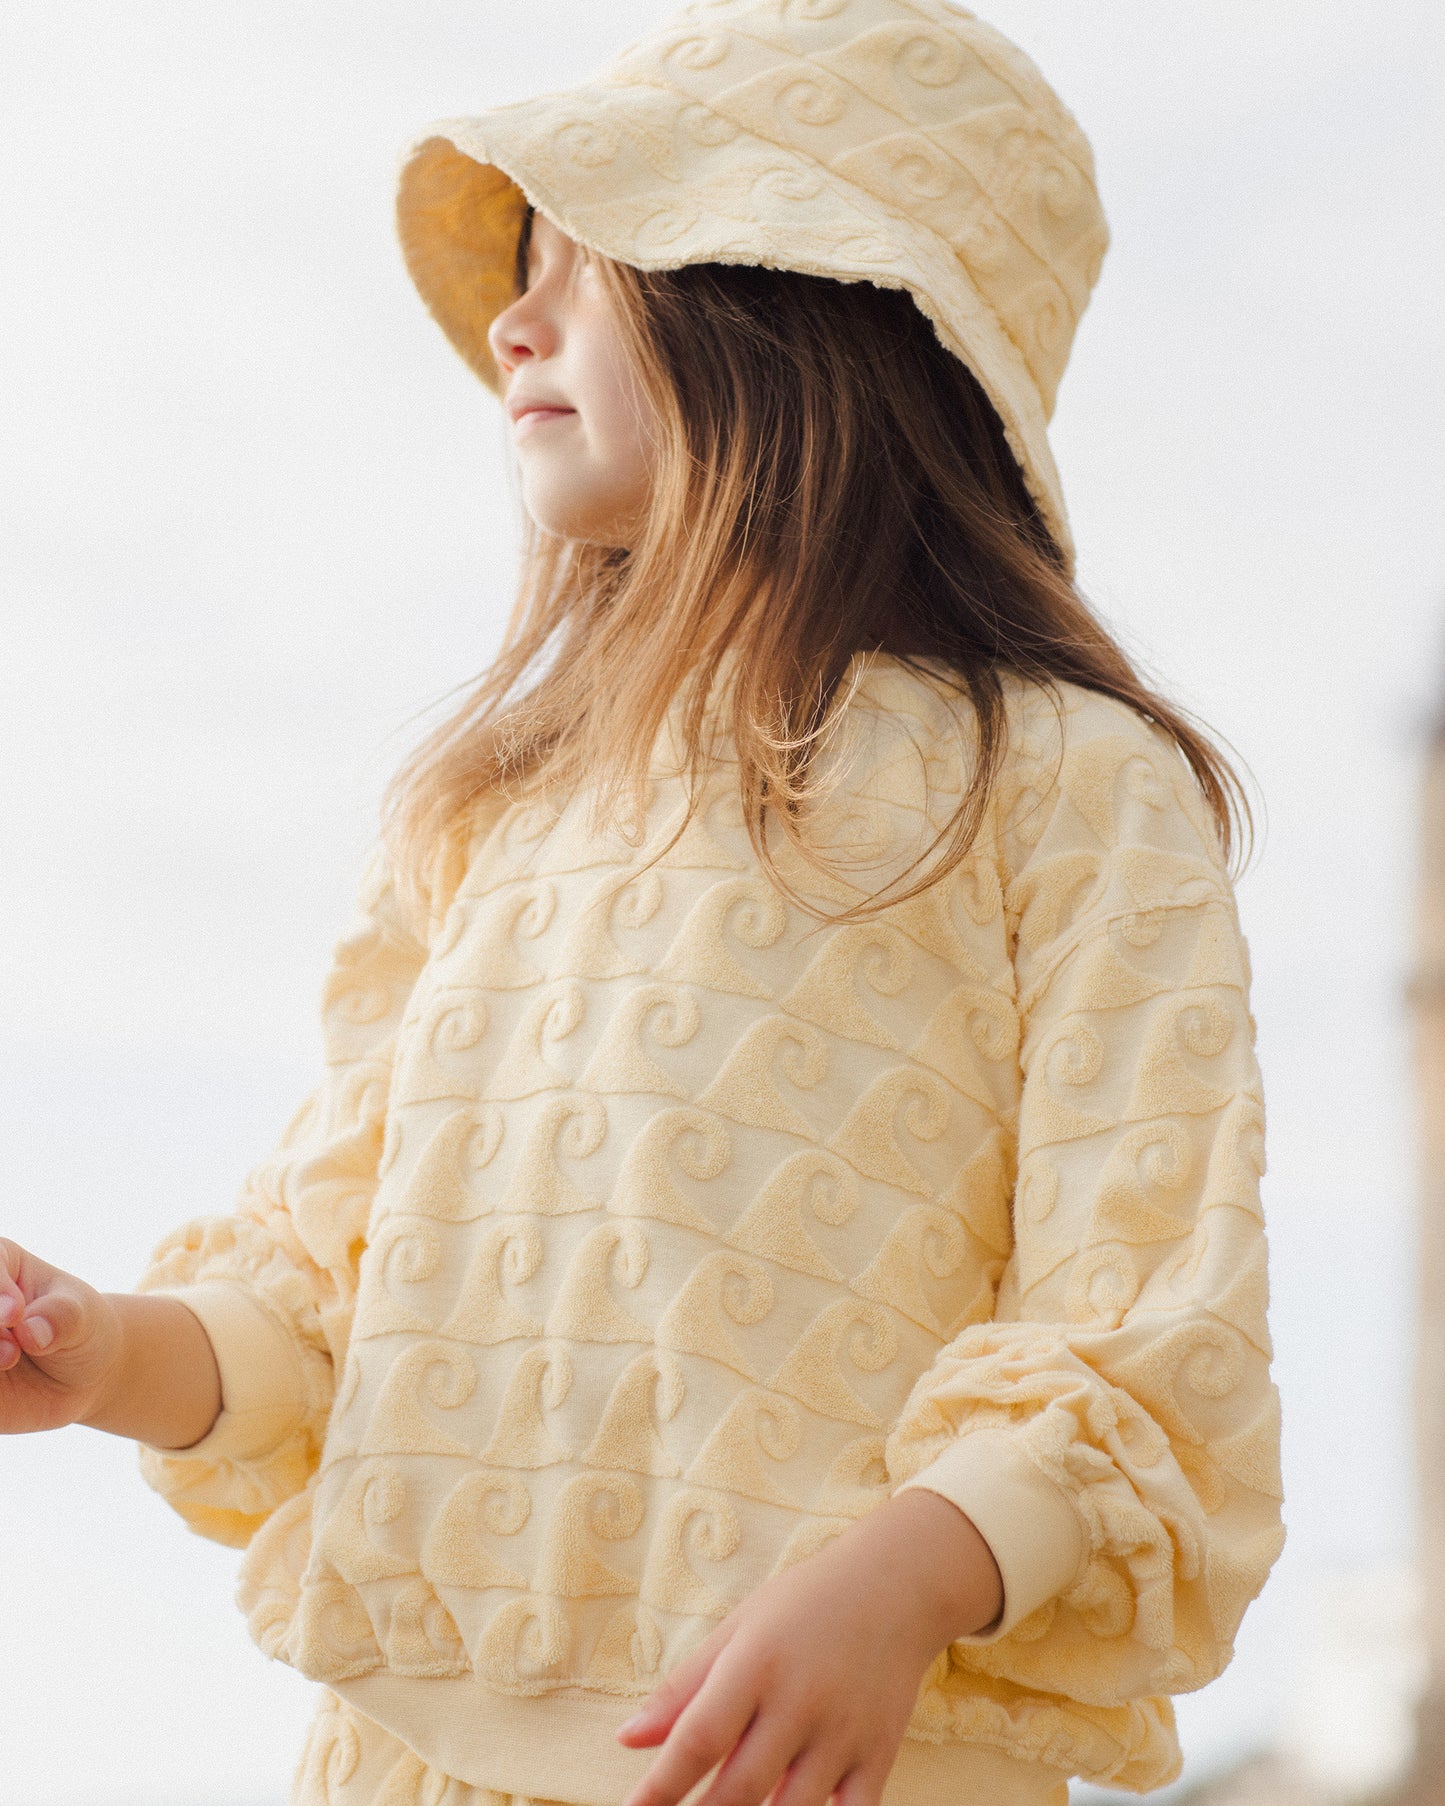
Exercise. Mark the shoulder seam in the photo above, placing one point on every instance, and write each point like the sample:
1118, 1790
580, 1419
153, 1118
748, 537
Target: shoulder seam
1093, 930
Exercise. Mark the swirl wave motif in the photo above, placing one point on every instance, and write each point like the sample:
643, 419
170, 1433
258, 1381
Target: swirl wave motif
673, 1142
745, 1453
422, 1638
722, 1290
1103, 1283
849, 1333
856, 968
696, 1526
907, 1098
529, 1062
973, 1024
331, 1755
425, 1377
702, 51
585, 1310
524, 1648
331, 1637
506, 1258
522, 912
661, 1017
572, 1127
733, 917
933, 59
583, 142
646, 1395
448, 1180
539, 1384
592, 950
375, 1496
404, 1255
591, 1509
813, 99
811, 1183
857, 1480
773, 1053
482, 1503
926, 1246
629, 1651
438, 1062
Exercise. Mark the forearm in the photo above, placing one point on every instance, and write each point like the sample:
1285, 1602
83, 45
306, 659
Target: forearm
165, 1388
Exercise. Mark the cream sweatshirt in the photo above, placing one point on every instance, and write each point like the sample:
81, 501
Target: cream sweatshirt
645, 1232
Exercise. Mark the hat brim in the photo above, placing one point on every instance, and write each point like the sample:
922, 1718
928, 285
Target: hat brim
466, 185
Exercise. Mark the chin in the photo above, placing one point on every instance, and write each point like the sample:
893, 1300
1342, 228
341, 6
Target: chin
594, 525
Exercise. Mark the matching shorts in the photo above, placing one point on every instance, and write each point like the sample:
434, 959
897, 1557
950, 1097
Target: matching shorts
349, 1760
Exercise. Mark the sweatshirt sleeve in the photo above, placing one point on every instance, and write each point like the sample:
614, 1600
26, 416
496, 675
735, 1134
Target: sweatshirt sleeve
274, 1282
1112, 1430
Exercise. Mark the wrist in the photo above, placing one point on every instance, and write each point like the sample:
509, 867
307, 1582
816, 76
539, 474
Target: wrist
163, 1386
109, 1384
938, 1564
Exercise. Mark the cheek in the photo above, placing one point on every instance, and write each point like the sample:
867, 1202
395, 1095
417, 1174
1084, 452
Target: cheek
616, 417
589, 478
592, 479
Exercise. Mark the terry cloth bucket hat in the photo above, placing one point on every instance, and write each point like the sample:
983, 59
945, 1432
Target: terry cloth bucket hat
899, 142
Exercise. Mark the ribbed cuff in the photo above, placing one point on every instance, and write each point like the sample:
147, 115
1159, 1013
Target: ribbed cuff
1029, 1523
263, 1393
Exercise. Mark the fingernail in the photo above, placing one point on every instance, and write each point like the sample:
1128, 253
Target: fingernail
41, 1334
631, 1724
7, 1307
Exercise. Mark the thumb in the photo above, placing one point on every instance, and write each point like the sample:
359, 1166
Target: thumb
664, 1705
52, 1325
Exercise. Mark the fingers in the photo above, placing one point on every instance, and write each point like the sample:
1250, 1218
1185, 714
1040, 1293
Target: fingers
12, 1299
758, 1763
12, 1304
860, 1787
655, 1719
40, 1311
35, 1333
53, 1322
812, 1780
707, 1730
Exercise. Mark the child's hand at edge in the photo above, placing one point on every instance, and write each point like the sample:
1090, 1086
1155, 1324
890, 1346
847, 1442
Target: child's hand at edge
60, 1343
135, 1366
807, 1687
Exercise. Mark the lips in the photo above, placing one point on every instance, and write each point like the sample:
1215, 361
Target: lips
527, 415
535, 417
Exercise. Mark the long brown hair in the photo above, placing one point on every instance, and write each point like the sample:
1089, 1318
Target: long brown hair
830, 480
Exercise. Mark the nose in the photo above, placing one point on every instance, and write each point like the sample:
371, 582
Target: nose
521, 331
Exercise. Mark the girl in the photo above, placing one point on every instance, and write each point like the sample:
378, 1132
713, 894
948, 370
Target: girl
771, 1286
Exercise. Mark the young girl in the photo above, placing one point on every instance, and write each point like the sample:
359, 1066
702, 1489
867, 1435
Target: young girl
771, 1286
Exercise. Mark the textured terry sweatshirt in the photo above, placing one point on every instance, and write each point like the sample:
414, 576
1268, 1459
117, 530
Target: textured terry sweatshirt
646, 1232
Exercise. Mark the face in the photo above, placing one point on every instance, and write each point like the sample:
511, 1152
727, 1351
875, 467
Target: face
581, 424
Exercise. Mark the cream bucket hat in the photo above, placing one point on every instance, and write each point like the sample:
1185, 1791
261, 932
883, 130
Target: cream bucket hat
899, 142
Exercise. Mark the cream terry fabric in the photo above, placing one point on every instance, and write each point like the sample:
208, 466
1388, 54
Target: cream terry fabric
646, 1232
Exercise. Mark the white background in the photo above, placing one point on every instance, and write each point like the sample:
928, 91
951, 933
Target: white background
254, 515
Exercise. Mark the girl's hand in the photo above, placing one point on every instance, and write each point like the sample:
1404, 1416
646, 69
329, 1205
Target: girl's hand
808, 1686
61, 1344
136, 1366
